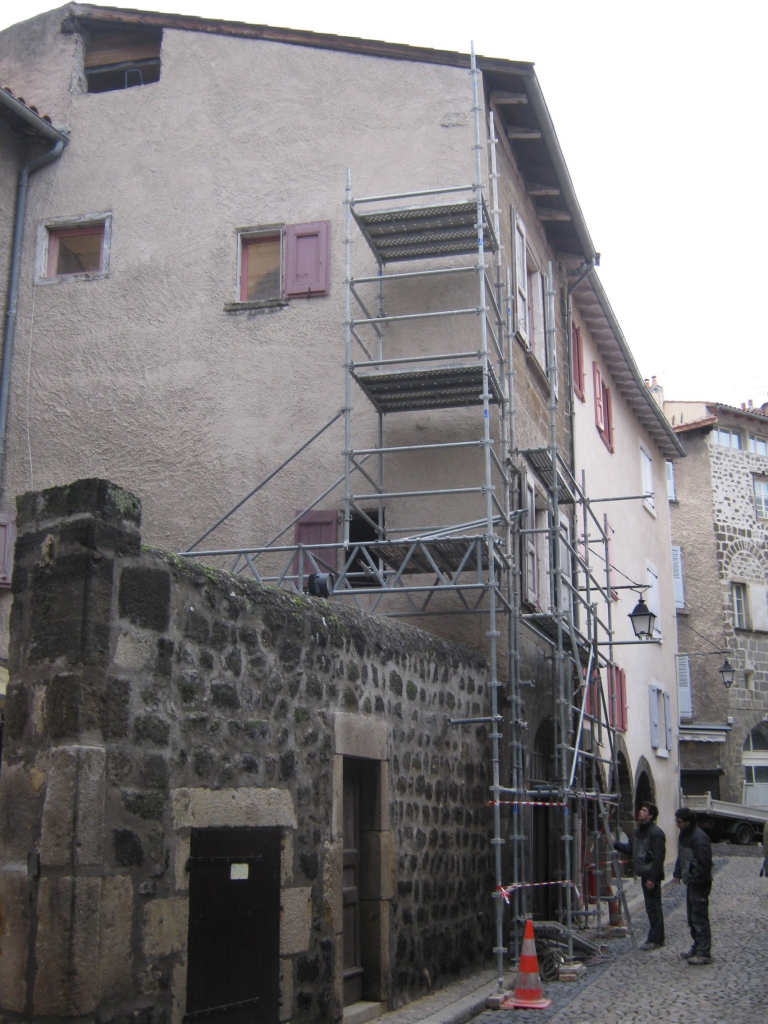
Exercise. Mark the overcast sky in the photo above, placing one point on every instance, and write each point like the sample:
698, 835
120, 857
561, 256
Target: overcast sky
660, 109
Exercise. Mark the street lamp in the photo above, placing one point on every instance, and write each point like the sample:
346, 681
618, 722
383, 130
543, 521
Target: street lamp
727, 672
643, 620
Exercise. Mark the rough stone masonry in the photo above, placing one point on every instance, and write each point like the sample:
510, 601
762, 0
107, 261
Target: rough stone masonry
150, 696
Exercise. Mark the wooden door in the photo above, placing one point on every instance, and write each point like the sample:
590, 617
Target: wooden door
353, 970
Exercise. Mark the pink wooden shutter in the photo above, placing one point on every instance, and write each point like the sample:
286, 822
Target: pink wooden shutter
7, 542
599, 411
317, 528
306, 258
608, 416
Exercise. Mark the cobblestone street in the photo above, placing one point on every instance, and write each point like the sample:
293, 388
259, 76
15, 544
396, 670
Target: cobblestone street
659, 987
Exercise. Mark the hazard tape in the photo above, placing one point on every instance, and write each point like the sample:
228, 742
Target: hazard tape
505, 890
527, 803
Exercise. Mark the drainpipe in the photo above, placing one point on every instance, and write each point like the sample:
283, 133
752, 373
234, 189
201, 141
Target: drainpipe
59, 140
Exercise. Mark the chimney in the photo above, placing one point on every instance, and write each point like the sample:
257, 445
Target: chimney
749, 403
657, 391
743, 407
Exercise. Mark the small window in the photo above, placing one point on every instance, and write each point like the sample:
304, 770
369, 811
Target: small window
577, 354
727, 438
761, 498
121, 56
75, 250
521, 280
646, 463
282, 263
758, 445
260, 263
603, 408
671, 495
739, 595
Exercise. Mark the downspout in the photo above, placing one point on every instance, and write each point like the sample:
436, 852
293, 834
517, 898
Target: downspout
59, 142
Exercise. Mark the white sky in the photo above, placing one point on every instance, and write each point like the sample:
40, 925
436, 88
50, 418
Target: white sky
660, 109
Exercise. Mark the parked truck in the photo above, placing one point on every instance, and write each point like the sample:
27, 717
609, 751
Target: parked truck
723, 820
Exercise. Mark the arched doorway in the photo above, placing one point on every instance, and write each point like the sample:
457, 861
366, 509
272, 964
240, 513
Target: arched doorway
624, 790
754, 757
644, 787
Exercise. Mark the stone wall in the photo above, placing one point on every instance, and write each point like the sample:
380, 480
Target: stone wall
150, 696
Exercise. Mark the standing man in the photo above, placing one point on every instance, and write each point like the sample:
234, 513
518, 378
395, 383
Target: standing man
694, 868
648, 849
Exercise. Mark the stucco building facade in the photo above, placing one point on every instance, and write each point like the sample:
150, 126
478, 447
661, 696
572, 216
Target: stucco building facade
719, 529
179, 329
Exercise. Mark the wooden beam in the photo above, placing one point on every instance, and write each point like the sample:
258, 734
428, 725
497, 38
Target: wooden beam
544, 213
542, 190
508, 98
523, 133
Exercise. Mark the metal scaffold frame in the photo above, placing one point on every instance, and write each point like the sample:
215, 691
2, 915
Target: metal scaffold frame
474, 566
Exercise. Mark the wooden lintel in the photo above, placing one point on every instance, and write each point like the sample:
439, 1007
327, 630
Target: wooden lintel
523, 133
542, 190
508, 98
548, 214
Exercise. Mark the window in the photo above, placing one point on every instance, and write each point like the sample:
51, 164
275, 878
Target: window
577, 356
536, 326
521, 279
281, 263
684, 685
531, 558
603, 409
670, 467
677, 576
758, 445
73, 248
312, 529
75, 251
617, 697
662, 732
761, 498
727, 438
646, 465
7, 544
121, 56
652, 597
739, 596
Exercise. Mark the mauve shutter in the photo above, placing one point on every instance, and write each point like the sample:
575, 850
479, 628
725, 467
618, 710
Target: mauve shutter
316, 528
306, 259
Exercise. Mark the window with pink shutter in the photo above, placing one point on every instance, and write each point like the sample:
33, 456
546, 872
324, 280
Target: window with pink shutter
7, 543
316, 527
306, 259
599, 411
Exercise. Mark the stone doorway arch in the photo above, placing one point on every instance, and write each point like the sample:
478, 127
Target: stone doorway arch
644, 785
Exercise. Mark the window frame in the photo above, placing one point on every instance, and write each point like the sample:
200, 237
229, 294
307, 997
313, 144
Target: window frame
646, 474
288, 235
660, 716
244, 237
732, 432
603, 407
753, 440
520, 268
740, 605
51, 230
761, 501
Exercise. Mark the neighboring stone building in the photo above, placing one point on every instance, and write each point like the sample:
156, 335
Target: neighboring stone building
719, 514
156, 707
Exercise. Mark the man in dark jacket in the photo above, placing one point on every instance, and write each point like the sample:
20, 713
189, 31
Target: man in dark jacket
694, 868
648, 849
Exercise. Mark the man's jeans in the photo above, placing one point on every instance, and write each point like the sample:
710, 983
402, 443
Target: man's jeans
697, 904
655, 913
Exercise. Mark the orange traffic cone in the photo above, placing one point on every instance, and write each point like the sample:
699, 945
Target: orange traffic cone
528, 994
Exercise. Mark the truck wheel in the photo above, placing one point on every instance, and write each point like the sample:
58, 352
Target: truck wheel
743, 834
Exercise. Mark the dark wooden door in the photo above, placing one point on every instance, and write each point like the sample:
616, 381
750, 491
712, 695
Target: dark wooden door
234, 926
353, 970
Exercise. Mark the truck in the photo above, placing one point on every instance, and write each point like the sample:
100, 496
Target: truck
722, 820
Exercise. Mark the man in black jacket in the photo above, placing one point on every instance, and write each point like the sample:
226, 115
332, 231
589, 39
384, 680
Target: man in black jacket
648, 849
694, 868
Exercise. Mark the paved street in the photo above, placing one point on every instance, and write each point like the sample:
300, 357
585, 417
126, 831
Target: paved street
660, 988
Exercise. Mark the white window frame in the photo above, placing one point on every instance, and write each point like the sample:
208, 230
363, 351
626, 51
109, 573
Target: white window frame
671, 493
724, 436
653, 597
754, 442
646, 470
760, 488
245, 235
520, 268
740, 601
660, 717
677, 576
85, 220
684, 689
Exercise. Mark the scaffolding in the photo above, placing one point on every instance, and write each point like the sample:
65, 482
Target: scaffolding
467, 552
